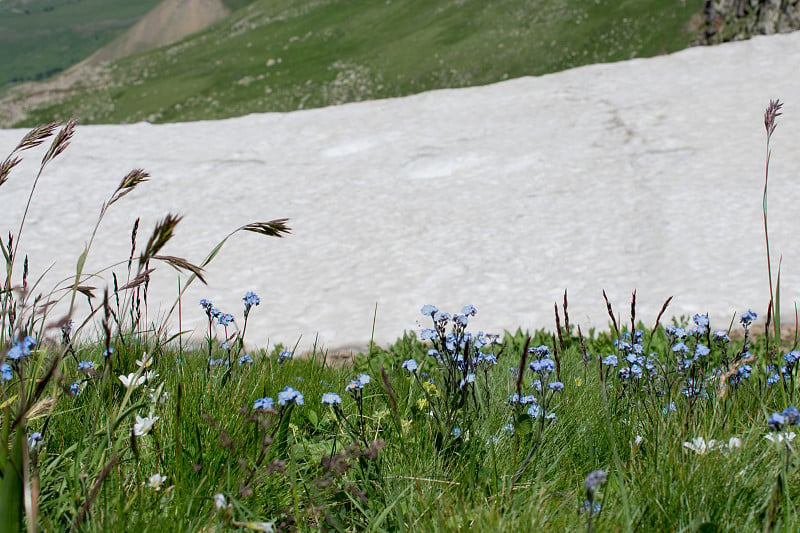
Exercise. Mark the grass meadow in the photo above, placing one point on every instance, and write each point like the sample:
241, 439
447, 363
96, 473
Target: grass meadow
284, 55
112, 424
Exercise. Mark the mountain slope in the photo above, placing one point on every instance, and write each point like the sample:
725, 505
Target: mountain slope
41, 38
281, 55
169, 21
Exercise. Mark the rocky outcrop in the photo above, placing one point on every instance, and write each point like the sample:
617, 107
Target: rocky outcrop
736, 20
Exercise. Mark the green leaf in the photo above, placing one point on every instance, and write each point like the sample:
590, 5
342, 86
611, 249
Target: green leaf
312, 417
12, 486
524, 425
282, 437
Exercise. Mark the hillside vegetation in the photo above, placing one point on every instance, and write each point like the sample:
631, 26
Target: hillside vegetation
41, 38
283, 55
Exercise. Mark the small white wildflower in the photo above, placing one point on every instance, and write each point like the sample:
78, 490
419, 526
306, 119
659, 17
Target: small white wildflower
734, 443
780, 437
144, 424
219, 501
145, 361
150, 375
265, 527
638, 440
700, 446
131, 381
155, 481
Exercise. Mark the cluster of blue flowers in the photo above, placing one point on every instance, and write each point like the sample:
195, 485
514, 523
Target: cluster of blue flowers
545, 385
21, 348
788, 417
358, 384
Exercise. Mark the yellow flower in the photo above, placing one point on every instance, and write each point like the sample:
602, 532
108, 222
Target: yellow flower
430, 388
422, 403
578, 382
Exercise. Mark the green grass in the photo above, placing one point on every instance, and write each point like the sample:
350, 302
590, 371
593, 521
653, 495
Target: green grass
207, 430
289, 54
39, 39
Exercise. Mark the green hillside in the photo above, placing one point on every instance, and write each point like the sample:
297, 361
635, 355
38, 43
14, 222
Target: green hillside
282, 55
39, 38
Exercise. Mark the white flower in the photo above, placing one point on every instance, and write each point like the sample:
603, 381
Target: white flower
131, 381
639, 439
150, 375
156, 398
701, 447
156, 480
144, 424
779, 437
219, 501
146, 361
265, 527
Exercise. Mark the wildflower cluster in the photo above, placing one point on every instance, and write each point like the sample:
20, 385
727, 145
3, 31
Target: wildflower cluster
460, 359
544, 386
234, 340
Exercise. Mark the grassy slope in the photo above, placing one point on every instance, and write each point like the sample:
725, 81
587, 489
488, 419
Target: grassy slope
334, 51
38, 39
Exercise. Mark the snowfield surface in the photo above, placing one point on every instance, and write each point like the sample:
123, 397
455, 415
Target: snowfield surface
645, 175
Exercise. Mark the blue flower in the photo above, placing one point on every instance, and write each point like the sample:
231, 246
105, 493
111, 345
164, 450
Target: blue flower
224, 319
285, 355
429, 310
331, 398
593, 481
556, 386
85, 366
611, 360
5, 372
488, 359
206, 304
108, 352
264, 403
364, 379
217, 362
288, 394
587, 505
428, 334
676, 332
456, 433
225, 345
776, 421
410, 365
21, 348
680, 347
773, 379
542, 365
75, 388
791, 357
441, 318
245, 359
636, 371
792, 415
34, 440
744, 371
534, 410
251, 299
469, 378
721, 335
540, 351
702, 350
461, 320
748, 317
469, 310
